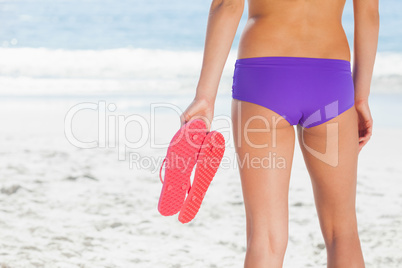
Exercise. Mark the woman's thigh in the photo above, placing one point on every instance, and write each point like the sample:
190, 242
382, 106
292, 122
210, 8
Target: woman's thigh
264, 144
330, 151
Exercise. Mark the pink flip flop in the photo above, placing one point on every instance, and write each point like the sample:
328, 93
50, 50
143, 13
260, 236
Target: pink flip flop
179, 163
208, 161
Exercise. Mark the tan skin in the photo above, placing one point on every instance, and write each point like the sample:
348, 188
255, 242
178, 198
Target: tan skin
298, 28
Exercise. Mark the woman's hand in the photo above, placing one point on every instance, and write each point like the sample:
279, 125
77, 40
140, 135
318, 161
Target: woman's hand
199, 108
365, 122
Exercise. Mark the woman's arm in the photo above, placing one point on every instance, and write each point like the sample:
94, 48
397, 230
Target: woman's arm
224, 18
367, 22
223, 21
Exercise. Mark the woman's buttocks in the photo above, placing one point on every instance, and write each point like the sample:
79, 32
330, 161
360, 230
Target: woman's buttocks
294, 28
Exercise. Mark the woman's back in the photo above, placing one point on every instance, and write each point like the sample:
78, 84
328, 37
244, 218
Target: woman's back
303, 28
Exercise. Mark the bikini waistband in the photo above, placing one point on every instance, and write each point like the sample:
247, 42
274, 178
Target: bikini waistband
293, 61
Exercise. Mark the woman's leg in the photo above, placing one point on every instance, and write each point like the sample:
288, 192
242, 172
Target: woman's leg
265, 174
330, 151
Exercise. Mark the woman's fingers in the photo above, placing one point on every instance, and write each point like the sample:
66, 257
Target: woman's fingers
365, 134
183, 119
363, 143
365, 123
198, 109
363, 140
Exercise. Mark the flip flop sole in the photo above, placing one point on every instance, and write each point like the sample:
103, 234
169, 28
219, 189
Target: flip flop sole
208, 162
180, 160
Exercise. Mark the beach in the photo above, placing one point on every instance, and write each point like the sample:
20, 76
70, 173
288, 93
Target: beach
66, 206
90, 97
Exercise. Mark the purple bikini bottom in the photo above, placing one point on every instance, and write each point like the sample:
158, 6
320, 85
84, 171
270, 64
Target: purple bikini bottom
305, 91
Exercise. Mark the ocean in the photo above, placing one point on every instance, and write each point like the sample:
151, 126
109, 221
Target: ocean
152, 24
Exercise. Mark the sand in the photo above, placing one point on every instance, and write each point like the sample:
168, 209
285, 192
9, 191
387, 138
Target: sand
61, 206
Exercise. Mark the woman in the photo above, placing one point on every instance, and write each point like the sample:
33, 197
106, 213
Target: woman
293, 68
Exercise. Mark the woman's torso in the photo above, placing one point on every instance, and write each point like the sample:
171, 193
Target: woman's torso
294, 28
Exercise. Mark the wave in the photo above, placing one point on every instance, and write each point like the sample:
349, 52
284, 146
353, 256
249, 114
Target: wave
47, 71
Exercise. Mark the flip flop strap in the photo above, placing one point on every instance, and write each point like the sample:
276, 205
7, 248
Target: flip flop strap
189, 185
160, 176
160, 171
